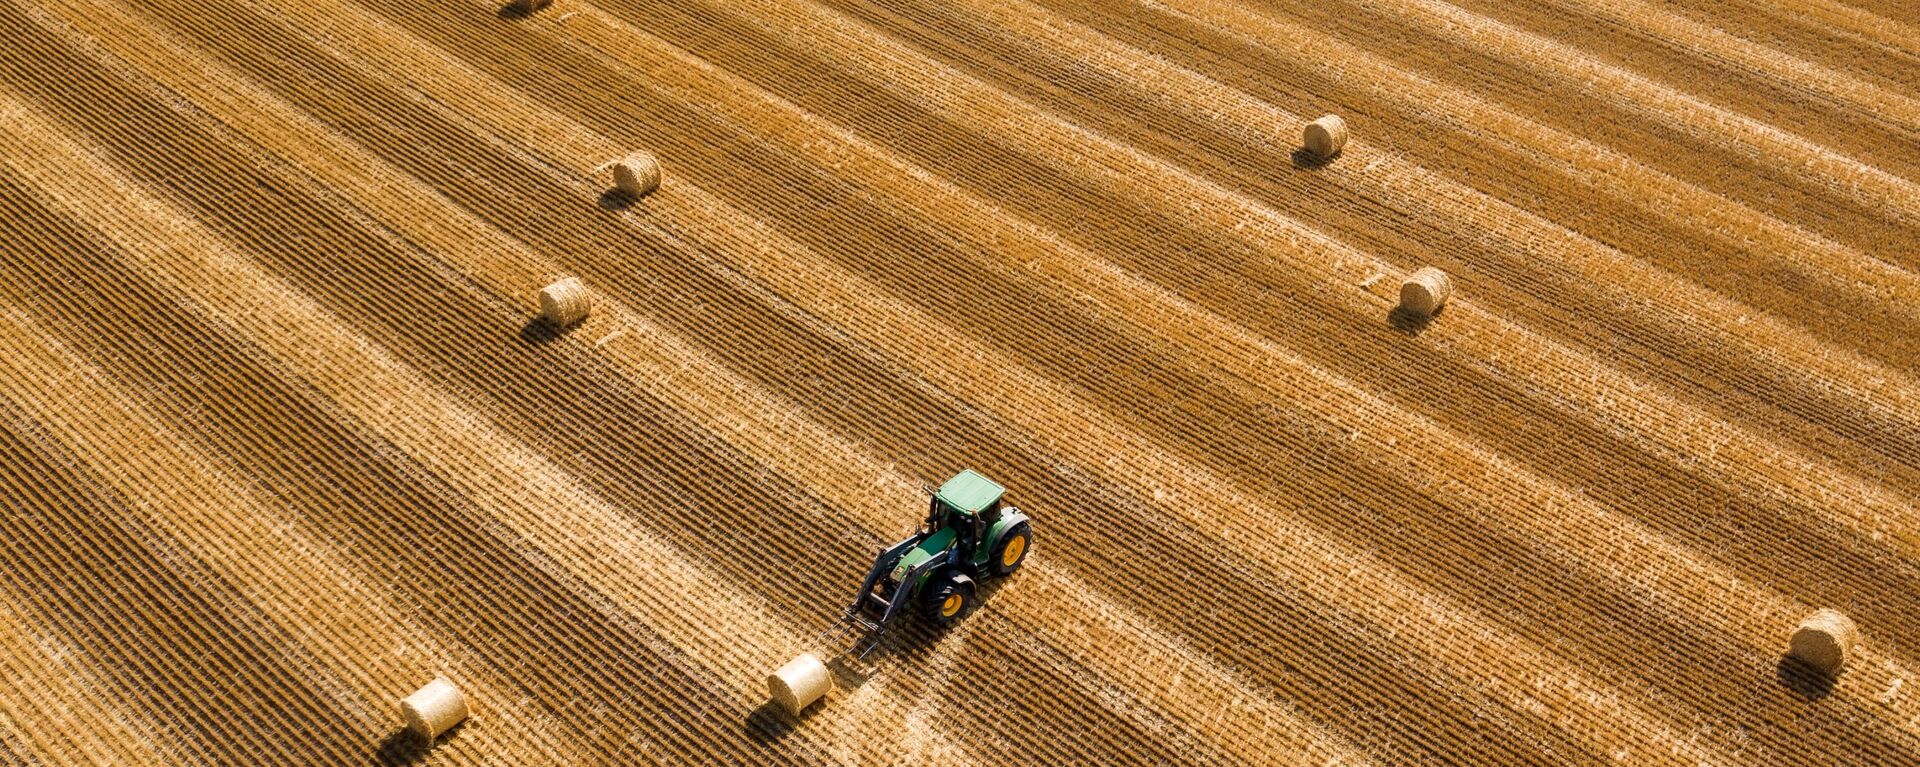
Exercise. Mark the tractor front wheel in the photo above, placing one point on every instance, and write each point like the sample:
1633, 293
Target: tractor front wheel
947, 599
1011, 550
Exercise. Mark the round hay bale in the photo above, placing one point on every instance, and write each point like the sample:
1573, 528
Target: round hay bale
525, 7
1326, 136
799, 683
1824, 640
565, 302
637, 174
1425, 291
434, 709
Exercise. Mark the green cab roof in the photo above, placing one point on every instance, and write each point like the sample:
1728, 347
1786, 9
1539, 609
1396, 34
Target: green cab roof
970, 492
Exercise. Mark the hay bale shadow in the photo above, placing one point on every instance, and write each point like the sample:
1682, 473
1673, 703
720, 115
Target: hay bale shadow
1802, 679
403, 747
616, 200
910, 640
1411, 323
515, 10
539, 332
771, 724
1306, 160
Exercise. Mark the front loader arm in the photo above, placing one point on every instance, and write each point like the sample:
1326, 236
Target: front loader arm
881, 566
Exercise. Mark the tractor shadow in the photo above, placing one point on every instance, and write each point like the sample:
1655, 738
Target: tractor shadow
1803, 680
914, 640
850, 672
909, 642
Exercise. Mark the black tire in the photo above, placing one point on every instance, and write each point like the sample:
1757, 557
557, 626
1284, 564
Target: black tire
1010, 552
946, 599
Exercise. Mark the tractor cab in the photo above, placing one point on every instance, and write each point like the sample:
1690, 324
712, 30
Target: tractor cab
964, 504
970, 535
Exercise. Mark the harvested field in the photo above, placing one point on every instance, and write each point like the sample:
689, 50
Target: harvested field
283, 437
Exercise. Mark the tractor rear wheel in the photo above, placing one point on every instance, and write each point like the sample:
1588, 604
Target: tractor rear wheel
947, 599
1011, 550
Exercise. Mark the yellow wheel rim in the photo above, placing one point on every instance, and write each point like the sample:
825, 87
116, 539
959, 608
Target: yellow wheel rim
1012, 552
951, 606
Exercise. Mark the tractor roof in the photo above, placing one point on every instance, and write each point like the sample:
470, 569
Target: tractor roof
970, 492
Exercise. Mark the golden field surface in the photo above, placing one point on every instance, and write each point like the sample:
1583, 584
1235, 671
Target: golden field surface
281, 442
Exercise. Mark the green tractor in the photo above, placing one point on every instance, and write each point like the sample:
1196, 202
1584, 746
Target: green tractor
970, 536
